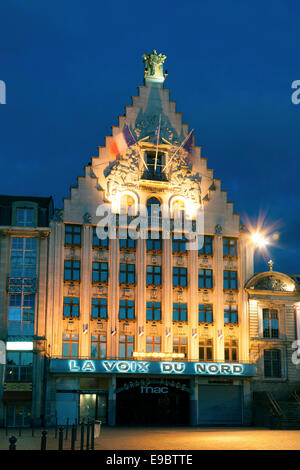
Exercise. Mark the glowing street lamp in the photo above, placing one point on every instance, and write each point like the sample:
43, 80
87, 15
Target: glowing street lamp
259, 240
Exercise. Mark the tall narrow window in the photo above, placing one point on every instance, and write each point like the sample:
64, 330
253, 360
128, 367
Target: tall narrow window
230, 313
70, 345
270, 323
179, 277
272, 363
205, 244
231, 350
73, 235
153, 311
180, 311
71, 307
229, 247
205, 279
205, 349
19, 366
154, 240
153, 344
21, 314
153, 275
126, 310
155, 164
128, 205
99, 272
180, 345
24, 217
230, 280
98, 346
126, 345
179, 244
205, 313
99, 243
99, 308
72, 270
23, 257
127, 273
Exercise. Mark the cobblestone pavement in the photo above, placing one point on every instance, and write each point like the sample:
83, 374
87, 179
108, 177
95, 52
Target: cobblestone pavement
185, 438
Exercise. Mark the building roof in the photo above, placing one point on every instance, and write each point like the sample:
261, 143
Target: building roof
45, 208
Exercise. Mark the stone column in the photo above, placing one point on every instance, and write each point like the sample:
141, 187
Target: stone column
56, 328
167, 295
140, 295
85, 290
193, 351
113, 298
218, 298
243, 316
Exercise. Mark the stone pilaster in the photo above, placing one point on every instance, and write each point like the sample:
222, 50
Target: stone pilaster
167, 295
193, 351
85, 290
140, 295
218, 298
113, 298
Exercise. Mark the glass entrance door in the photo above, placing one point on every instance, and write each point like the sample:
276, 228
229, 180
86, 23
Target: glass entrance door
18, 414
93, 406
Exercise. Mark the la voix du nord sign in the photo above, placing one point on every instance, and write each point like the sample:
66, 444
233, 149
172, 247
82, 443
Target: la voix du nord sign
99, 366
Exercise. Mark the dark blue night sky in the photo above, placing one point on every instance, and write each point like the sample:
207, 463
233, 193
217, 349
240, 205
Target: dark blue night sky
70, 67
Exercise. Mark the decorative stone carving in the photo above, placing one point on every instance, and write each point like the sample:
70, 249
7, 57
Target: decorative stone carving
218, 229
153, 64
272, 283
153, 295
87, 218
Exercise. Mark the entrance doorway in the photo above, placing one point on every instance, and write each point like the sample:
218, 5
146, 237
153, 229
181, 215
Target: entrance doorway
18, 414
93, 406
152, 404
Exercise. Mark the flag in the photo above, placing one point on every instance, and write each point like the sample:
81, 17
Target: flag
187, 146
141, 331
194, 333
121, 141
220, 334
113, 332
85, 328
168, 332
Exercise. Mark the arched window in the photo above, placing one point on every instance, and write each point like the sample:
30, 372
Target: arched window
128, 205
153, 207
177, 209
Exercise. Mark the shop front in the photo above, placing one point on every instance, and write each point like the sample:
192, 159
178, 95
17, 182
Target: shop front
151, 393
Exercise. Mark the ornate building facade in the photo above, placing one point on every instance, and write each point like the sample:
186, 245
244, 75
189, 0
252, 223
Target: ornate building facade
137, 326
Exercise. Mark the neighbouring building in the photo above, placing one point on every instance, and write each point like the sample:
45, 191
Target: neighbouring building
133, 326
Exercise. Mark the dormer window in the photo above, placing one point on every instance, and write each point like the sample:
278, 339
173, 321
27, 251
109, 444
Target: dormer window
155, 164
25, 217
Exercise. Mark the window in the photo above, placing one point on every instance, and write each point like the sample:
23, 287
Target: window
229, 246
205, 313
126, 243
153, 344
180, 311
24, 217
21, 314
19, 366
99, 307
178, 244
127, 273
205, 279
71, 307
230, 313
154, 240
207, 245
155, 164
99, 243
153, 276
177, 209
153, 311
99, 272
128, 205
270, 323
70, 345
179, 277
126, 345
231, 350
23, 257
230, 280
98, 346
206, 349
272, 363
180, 345
154, 213
73, 235
126, 310
72, 270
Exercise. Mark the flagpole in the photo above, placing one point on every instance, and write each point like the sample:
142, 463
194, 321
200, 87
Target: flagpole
157, 143
166, 166
137, 146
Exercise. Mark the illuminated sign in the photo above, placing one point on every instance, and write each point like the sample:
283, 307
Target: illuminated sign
99, 366
19, 346
159, 354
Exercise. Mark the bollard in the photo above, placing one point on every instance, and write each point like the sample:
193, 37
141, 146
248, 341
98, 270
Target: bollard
60, 437
55, 427
82, 435
20, 431
12, 443
88, 435
76, 429
73, 436
44, 440
93, 435
67, 429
